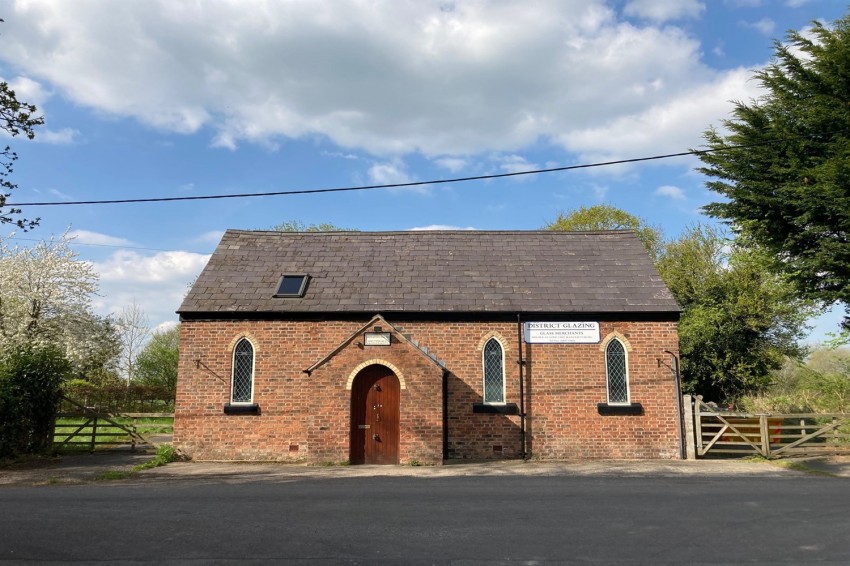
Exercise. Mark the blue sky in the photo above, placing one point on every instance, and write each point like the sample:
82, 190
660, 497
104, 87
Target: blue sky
160, 98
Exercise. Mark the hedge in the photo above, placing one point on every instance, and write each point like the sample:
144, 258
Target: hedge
30, 391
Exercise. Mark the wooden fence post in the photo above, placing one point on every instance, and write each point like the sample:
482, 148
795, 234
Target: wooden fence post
689, 440
765, 436
698, 424
93, 434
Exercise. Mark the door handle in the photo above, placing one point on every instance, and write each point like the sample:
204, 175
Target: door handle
375, 437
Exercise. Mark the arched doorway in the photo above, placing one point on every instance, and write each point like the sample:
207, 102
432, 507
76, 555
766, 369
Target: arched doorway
375, 416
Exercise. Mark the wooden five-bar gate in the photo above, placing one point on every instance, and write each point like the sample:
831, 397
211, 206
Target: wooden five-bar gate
711, 431
90, 428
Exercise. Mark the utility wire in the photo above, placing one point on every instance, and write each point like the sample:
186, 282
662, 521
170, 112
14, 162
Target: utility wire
392, 185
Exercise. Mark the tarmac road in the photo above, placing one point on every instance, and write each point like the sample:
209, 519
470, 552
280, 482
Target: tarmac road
504, 513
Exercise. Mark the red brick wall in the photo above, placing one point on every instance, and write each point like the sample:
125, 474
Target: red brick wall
307, 417
568, 381
474, 435
287, 397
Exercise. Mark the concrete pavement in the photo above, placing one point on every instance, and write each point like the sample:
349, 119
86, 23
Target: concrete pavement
83, 468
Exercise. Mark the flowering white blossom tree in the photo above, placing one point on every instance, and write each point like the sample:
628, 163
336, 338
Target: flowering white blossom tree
45, 299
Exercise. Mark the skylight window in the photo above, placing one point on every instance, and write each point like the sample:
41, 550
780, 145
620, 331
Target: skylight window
292, 285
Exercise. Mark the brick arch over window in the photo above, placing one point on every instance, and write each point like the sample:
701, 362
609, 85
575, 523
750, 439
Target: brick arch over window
486, 338
247, 336
603, 346
375, 361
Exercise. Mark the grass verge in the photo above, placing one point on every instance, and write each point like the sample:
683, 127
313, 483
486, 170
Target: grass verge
795, 465
801, 467
165, 454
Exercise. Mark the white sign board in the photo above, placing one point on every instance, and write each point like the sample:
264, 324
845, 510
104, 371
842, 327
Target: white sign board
561, 332
377, 338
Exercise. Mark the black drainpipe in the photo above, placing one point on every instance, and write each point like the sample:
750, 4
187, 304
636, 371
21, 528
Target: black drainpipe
521, 363
679, 401
445, 415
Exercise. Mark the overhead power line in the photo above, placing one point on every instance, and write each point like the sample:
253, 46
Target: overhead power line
386, 186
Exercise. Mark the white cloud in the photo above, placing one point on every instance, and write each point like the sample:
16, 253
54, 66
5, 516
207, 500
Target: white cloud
161, 268
28, 90
33, 92
388, 174
670, 191
663, 10
516, 164
165, 326
384, 77
394, 173
453, 164
796, 3
764, 26
667, 127
340, 154
156, 282
96, 238
440, 227
57, 137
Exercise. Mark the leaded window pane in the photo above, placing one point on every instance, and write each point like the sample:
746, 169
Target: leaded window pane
243, 371
618, 384
494, 376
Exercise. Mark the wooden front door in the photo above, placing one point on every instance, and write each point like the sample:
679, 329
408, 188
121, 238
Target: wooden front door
375, 416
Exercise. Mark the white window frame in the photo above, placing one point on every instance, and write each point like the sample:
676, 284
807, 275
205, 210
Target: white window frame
233, 370
484, 373
628, 400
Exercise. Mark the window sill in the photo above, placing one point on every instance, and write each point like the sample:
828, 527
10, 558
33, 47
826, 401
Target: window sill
503, 409
633, 409
241, 409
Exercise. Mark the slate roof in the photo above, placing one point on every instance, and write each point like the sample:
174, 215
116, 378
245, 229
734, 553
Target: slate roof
432, 271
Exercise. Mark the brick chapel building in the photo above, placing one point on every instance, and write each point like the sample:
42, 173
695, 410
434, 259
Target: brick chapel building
405, 347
